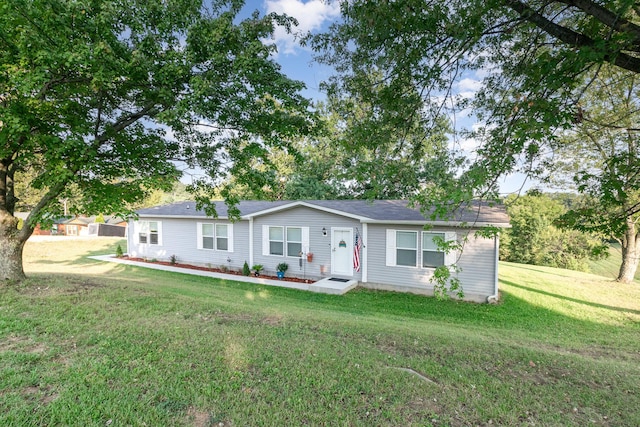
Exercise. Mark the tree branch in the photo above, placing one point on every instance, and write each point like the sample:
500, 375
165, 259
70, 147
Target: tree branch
608, 18
573, 38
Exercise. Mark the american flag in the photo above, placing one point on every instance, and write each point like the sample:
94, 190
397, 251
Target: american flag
356, 252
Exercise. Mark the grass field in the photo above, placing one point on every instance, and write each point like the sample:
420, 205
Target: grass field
96, 344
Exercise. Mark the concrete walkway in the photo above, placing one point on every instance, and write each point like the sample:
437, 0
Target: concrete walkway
325, 286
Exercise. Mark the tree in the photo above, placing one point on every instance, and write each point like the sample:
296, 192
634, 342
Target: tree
104, 97
358, 156
601, 158
531, 58
534, 239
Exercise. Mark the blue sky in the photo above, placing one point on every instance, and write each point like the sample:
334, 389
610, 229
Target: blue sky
297, 61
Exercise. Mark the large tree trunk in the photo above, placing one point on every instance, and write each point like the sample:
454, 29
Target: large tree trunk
630, 246
12, 242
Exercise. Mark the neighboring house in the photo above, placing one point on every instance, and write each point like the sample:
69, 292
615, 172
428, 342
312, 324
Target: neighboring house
57, 228
81, 226
317, 239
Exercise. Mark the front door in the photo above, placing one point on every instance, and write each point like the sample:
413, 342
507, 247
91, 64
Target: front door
342, 251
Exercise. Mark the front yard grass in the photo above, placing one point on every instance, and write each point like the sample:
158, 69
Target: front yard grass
90, 343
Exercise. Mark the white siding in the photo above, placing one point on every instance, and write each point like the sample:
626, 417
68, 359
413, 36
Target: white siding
477, 262
317, 244
180, 238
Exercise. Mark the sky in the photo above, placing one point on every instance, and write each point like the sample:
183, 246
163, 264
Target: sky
297, 61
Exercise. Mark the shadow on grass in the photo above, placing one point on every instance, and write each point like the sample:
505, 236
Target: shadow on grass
566, 298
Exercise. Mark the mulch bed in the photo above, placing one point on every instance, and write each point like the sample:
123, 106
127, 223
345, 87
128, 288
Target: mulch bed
216, 270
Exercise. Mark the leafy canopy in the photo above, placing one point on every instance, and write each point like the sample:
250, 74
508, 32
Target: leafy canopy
531, 57
112, 98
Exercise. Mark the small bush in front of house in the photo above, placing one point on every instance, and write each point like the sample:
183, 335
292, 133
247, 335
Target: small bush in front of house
119, 253
282, 267
245, 269
257, 268
173, 259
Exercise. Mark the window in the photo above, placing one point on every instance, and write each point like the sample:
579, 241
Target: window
276, 241
72, 230
217, 237
285, 241
207, 236
402, 249
406, 248
432, 255
222, 237
294, 241
149, 232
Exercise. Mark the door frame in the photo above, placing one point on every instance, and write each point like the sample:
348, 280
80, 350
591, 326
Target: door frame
349, 250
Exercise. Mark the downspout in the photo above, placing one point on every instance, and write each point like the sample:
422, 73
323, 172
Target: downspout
250, 241
492, 299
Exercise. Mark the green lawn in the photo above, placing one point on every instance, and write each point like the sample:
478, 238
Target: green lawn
610, 266
96, 344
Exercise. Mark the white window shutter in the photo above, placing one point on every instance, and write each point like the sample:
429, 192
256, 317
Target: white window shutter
199, 235
265, 240
450, 257
136, 231
391, 248
230, 237
305, 239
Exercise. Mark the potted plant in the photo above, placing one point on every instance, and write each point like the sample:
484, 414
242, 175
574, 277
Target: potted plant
281, 268
257, 269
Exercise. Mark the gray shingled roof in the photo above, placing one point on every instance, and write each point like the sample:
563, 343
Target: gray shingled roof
367, 211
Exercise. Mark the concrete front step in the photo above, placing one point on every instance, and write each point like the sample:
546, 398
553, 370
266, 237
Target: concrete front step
331, 285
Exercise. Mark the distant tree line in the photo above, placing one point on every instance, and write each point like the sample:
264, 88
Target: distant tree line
535, 236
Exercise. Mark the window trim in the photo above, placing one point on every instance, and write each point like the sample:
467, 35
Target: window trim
200, 236
286, 242
394, 255
266, 241
144, 228
450, 257
425, 235
216, 236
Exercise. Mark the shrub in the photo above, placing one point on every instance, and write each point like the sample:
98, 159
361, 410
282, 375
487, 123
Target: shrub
173, 259
283, 266
257, 268
245, 269
119, 253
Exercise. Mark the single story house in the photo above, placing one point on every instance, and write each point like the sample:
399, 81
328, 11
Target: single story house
384, 244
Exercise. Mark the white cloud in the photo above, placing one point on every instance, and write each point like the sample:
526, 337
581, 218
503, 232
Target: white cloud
468, 87
311, 16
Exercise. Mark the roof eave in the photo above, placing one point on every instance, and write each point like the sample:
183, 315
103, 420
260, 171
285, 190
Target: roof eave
459, 224
308, 205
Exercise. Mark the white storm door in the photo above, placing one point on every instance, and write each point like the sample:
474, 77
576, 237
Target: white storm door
342, 251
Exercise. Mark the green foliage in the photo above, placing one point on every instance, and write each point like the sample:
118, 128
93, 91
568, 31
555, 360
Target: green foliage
357, 156
119, 252
173, 259
245, 269
99, 219
257, 268
534, 239
445, 283
533, 57
91, 92
282, 267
